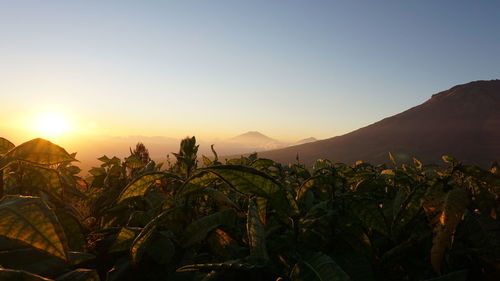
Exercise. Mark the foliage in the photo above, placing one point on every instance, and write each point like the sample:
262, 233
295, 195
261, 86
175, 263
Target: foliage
249, 218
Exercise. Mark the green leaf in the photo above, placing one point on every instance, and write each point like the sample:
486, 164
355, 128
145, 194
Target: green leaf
263, 163
80, 274
460, 275
250, 181
409, 208
320, 267
391, 158
197, 182
124, 239
370, 215
199, 229
452, 211
206, 161
140, 185
104, 159
449, 159
73, 230
5, 145
256, 233
133, 162
20, 275
140, 243
220, 198
29, 220
231, 265
161, 249
45, 179
40, 151
16, 255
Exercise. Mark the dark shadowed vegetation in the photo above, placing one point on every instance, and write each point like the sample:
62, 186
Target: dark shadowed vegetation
243, 219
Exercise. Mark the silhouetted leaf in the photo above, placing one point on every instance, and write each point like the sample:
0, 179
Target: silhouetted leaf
460, 275
452, 211
320, 267
80, 274
124, 239
143, 239
370, 214
198, 230
20, 275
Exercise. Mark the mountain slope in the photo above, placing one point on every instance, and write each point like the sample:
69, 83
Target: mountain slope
463, 121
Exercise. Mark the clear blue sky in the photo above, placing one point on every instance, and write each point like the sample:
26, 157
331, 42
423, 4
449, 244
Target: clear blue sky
290, 69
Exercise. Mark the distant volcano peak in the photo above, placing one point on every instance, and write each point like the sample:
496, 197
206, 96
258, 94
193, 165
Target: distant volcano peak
252, 136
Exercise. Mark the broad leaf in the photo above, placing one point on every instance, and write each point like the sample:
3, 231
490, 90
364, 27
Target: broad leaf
124, 239
73, 230
229, 265
40, 151
198, 230
256, 233
144, 238
318, 267
20, 275
197, 182
80, 274
253, 182
140, 185
161, 249
370, 214
460, 275
5, 145
29, 220
45, 179
451, 214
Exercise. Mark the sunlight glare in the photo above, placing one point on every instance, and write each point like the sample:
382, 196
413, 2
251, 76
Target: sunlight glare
51, 124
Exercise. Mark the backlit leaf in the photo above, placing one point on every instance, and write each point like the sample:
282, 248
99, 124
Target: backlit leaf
452, 211
29, 220
253, 182
40, 151
140, 185
256, 233
5, 145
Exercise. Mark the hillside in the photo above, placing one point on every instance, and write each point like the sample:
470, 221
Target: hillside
463, 121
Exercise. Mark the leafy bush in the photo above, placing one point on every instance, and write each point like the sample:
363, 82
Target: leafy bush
247, 219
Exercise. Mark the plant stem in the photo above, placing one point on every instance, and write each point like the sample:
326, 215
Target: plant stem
1, 183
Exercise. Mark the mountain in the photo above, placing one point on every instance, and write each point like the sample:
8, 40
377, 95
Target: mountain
248, 142
463, 122
251, 137
308, 140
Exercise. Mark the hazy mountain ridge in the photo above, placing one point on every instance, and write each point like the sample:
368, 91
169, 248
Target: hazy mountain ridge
463, 121
159, 146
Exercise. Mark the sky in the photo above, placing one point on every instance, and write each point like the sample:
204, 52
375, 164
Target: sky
216, 69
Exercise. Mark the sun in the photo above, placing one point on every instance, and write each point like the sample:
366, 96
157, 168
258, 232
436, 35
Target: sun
51, 124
